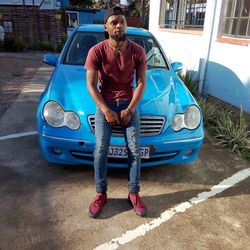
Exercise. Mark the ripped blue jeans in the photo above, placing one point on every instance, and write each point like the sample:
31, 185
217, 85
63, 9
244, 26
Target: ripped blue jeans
131, 135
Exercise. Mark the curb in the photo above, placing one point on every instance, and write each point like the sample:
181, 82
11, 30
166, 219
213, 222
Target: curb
23, 55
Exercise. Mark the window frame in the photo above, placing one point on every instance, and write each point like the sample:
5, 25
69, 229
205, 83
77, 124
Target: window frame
8, 26
237, 18
69, 18
182, 15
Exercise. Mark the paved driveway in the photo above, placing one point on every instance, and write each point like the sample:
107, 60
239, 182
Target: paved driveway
204, 205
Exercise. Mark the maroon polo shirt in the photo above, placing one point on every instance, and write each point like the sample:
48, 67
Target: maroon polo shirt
116, 70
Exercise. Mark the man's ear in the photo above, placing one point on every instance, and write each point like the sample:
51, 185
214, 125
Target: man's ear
105, 28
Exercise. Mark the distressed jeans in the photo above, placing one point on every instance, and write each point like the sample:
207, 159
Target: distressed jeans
131, 135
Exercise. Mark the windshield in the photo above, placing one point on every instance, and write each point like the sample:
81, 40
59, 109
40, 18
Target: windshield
82, 42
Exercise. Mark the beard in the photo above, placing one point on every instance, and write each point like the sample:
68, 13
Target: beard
118, 38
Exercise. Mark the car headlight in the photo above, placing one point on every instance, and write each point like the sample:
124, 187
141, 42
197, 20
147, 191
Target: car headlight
190, 119
72, 120
177, 123
55, 116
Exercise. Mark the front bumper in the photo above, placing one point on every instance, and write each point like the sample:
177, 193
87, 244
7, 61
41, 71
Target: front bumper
72, 151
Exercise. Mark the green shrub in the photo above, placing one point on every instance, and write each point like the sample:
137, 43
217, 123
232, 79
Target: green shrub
46, 46
191, 82
59, 47
63, 38
209, 111
19, 43
61, 44
9, 44
232, 133
1, 46
14, 44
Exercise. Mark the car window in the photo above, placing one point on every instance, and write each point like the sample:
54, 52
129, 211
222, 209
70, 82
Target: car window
81, 43
155, 58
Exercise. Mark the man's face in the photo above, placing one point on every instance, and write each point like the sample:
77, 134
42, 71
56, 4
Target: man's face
116, 26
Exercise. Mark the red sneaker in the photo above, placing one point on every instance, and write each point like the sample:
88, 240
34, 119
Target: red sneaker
97, 204
139, 207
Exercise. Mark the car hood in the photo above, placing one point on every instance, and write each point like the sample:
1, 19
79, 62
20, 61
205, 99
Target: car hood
69, 88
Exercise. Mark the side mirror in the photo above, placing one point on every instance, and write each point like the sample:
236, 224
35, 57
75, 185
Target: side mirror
50, 59
177, 66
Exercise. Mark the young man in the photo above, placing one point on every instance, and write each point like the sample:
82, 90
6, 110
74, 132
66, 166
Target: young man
113, 62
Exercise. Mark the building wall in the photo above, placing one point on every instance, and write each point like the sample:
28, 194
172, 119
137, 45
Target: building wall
91, 17
227, 74
47, 4
46, 28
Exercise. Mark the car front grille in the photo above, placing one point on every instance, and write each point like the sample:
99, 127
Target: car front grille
150, 125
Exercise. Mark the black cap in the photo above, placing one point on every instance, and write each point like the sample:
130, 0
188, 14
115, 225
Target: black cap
113, 11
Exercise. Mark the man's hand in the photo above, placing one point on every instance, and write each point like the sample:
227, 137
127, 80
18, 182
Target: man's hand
125, 116
111, 117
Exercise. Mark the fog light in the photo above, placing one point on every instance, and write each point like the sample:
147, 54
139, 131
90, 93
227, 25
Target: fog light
188, 152
56, 151
81, 143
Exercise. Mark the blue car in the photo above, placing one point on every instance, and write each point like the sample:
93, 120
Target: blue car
170, 118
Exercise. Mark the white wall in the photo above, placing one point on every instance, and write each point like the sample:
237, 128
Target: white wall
181, 47
227, 74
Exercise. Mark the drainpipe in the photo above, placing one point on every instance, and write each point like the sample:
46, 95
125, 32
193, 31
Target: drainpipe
208, 35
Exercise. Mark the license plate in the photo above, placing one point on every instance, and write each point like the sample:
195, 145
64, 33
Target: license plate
121, 152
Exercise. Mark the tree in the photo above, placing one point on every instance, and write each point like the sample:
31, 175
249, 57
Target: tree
99, 4
139, 8
143, 7
82, 3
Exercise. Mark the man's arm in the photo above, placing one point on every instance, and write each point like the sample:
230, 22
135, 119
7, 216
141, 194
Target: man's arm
92, 79
126, 114
139, 90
